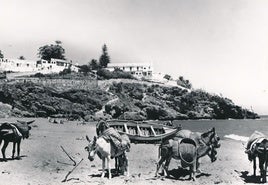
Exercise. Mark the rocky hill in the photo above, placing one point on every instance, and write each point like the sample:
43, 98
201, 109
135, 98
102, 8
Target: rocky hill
122, 99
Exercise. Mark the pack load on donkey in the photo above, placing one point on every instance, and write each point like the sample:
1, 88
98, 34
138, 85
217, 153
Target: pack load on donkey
111, 135
8, 129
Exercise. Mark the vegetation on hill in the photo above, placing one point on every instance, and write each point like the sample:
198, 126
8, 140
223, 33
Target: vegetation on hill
120, 100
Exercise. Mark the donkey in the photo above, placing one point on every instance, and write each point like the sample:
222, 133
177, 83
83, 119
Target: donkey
106, 151
257, 146
196, 146
14, 132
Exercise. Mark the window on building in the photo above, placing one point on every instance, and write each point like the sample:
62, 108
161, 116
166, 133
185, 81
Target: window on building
28, 65
137, 68
130, 68
60, 63
18, 64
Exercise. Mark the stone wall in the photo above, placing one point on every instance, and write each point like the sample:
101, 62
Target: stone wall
60, 84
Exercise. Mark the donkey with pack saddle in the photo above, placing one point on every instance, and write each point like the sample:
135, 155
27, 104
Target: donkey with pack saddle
14, 132
257, 146
188, 147
108, 145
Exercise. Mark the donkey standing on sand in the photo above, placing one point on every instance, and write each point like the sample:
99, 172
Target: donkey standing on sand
257, 146
106, 151
189, 149
14, 132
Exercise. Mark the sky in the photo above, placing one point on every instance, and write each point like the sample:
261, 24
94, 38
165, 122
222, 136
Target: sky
221, 46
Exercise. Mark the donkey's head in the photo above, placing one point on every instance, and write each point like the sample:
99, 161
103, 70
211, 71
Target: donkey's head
24, 128
212, 140
91, 148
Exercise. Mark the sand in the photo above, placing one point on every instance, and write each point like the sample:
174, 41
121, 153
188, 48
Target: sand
43, 161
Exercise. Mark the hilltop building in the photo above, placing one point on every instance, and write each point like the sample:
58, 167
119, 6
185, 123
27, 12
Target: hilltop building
138, 70
17, 65
42, 66
54, 66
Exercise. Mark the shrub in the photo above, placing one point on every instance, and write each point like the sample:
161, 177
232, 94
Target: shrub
105, 74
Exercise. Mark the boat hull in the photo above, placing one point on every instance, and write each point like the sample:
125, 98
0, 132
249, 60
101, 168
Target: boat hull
144, 132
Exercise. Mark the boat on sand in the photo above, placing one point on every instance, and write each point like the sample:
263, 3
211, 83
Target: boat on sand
143, 132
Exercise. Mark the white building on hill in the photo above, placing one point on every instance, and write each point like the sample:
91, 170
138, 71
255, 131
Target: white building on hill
17, 65
54, 66
138, 70
42, 66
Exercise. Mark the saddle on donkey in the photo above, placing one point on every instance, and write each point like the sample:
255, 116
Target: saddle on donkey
9, 128
185, 149
254, 140
118, 142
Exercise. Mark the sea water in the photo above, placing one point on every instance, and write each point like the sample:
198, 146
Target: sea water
239, 129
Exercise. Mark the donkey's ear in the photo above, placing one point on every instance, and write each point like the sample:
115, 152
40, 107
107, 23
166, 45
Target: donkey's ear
30, 122
95, 138
213, 129
87, 138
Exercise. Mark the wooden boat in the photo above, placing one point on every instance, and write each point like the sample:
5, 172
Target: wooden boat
144, 132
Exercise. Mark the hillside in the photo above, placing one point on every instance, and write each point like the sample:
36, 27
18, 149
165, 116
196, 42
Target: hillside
121, 99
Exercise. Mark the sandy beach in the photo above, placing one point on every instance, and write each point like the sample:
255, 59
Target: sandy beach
44, 162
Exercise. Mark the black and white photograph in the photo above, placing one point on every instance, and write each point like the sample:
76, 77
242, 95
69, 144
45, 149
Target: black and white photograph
133, 92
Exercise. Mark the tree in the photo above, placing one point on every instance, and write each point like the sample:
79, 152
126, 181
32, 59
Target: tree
1, 54
184, 83
104, 58
84, 69
21, 57
94, 64
52, 51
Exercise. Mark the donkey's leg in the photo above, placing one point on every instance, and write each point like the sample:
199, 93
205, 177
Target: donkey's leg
4, 150
126, 165
109, 166
254, 167
103, 167
261, 164
116, 165
193, 170
159, 164
264, 172
18, 149
168, 159
13, 150
265, 164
